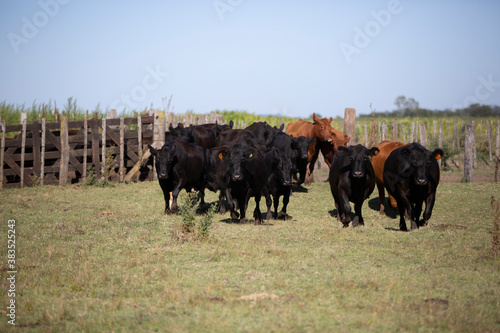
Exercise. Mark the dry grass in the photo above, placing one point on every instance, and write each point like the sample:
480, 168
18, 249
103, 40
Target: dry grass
103, 259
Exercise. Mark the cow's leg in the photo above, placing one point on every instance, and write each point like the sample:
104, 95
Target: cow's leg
286, 200
402, 223
404, 205
232, 204
276, 201
166, 196
429, 205
222, 204
175, 193
313, 157
257, 215
358, 218
417, 210
381, 197
346, 209
392, 201
269, 202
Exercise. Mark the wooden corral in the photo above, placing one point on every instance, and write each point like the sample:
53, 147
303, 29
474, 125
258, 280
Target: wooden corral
72, 151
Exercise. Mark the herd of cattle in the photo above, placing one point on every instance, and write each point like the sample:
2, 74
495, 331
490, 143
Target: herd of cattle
262, 160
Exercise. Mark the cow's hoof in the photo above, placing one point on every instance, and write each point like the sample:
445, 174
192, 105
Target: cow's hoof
269, 216
355, 222
243, 220
414, 225
402, 227
282, 215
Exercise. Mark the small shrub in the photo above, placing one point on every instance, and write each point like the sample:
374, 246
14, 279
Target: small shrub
192, 228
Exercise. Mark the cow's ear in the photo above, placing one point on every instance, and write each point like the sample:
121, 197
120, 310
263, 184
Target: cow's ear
346, 139
231, 123
315, 119
330, 120
405, 152
282, 127
222, 154
152, 150
437, 154
374, 151
342, 148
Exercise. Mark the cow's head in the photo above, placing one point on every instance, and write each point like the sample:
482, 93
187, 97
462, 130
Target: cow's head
338, 139
164, 158
281, 166
359, 159
417, 161
235, 161
321, 128
301, 146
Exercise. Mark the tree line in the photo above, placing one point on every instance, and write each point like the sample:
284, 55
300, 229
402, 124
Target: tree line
410, 108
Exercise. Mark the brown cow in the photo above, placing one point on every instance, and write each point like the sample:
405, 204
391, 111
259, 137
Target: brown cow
327, 139
385, 147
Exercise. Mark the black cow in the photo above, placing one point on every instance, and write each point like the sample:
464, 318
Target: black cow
205, 135
214, 173
352, 179
179, 165
245, 176
234, 136
279, 182
264, 132
411, 176
295, 149
301, 146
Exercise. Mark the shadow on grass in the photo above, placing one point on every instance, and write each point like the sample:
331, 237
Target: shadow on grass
299, 189
389, 211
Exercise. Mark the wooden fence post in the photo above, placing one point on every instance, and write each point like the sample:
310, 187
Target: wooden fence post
122, 149
94, 127
85, 142
103, 152
139, 136
489, 129
468, 154
24, 117
63, 169
440, 141
474, 150
42, 154
2, 151
412, 133
350, 124
395, 130
403, 129
35, 134
497, 150
423, 135
383, 136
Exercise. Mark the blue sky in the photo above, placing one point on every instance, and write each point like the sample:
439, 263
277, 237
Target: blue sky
265, 57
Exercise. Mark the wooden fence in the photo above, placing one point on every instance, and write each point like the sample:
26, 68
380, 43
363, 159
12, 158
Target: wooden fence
64, 152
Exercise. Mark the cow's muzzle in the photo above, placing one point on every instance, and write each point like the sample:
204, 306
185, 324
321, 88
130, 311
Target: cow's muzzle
162, 176
422, 181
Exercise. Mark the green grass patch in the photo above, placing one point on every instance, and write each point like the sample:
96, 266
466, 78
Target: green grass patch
104, 259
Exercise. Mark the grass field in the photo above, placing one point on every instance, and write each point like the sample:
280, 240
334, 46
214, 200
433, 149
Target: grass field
105, 259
